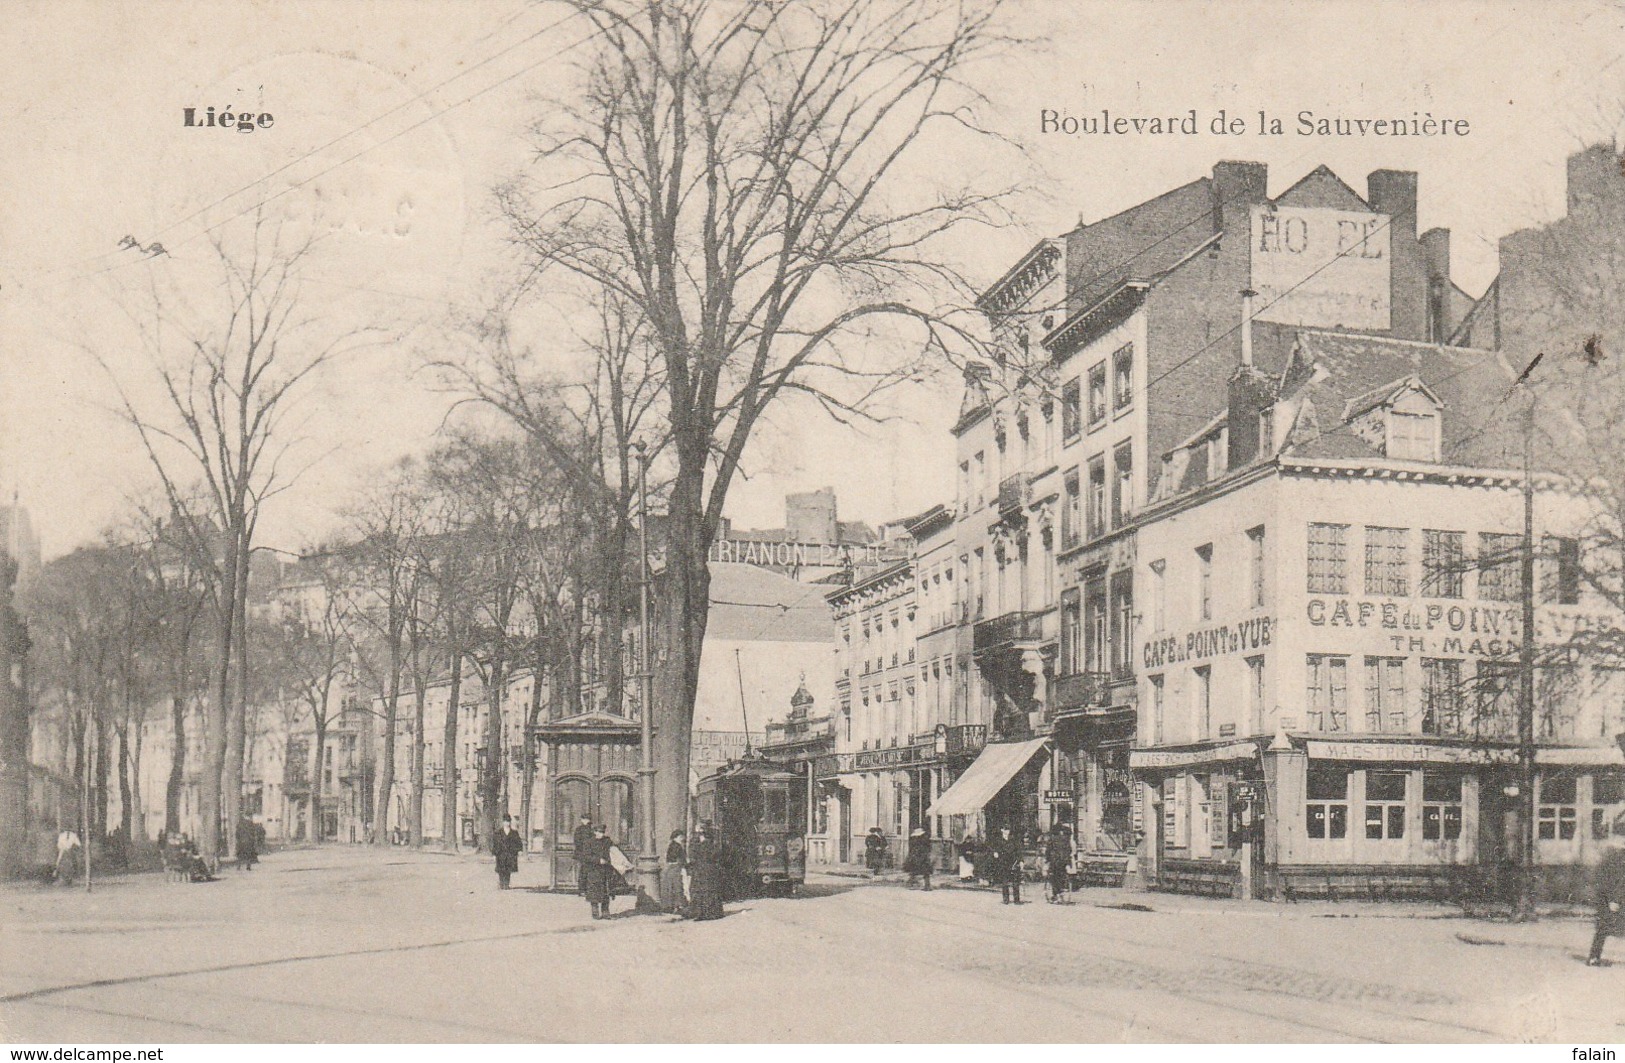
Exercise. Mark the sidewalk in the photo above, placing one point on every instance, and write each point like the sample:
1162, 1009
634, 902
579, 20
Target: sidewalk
1125, 899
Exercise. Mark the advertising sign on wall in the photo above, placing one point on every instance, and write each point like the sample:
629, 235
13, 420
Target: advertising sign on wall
1323, 268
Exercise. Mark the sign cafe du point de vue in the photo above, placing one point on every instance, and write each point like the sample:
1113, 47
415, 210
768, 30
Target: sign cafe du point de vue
1467, 630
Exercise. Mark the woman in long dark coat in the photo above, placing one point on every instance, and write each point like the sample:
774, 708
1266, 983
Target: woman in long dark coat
918, 861
874, 850
705, 876
506, 846
671, 875
597, 872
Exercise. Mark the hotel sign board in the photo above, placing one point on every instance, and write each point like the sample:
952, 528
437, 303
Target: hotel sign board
1320, 267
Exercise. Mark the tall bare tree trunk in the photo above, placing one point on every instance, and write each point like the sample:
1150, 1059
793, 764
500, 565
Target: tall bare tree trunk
448, 759
419, 697
219, 708
492, 778
126, 795
685, 604
177, 765
237, 720
386, 759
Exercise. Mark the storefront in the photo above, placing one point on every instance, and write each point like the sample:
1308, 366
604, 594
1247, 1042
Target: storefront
1372, 818
1002, 787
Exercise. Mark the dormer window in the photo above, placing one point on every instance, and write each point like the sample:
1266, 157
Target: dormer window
1413, 436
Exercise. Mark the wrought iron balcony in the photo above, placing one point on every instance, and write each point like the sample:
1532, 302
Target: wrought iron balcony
1084, 690
966, 738
1012, 495
1009, 628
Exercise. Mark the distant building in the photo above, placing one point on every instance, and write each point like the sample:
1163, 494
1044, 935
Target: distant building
19, 541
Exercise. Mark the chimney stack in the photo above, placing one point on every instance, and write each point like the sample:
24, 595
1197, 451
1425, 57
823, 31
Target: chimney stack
1247, 327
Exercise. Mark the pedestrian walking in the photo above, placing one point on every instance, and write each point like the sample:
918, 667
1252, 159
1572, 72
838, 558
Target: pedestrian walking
874, 850
506, 845
1058, 862
596, 871
1004, 864
248, 843
671, 875
918, 860
705, 875
1610, 893
581, 838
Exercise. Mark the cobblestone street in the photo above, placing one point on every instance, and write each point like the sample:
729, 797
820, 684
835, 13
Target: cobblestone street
349, 944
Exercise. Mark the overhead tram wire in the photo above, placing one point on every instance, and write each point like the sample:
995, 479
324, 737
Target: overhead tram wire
432, 116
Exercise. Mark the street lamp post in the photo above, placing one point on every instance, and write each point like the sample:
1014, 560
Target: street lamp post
648, 860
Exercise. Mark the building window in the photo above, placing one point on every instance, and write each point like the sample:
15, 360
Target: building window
1385, 804
1123, 624
979, 487
1413, 436
1123, 377
1560, 571
1328, 693
1255, 567
1443, 562
1255, 693
1441, 696
964, 487
1328, 558
978, 587
1097, 496
1159, 595
1071, 409
1156, 709
1559, 814
1441, 806
1497, 689
1122, 484
1327, 811
1071, 512
1204, 581
1607, 806
1386, 564
1097, 395
1071, 632
1385, 694
1094, 624
1499, 567
1204, 701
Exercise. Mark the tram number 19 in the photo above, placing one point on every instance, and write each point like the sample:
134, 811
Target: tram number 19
767, 849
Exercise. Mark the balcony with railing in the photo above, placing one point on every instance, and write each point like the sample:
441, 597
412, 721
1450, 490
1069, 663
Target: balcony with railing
1012, 495
1008, 629
1083, 690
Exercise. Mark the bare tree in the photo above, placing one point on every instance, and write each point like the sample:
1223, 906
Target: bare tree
229, 375
738, 175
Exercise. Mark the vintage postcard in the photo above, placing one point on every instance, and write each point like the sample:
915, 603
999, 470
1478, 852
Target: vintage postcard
812, 521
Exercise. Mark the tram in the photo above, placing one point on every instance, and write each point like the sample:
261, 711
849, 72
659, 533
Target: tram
758, 809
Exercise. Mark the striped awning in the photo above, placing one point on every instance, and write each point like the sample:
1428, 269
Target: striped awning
995, 766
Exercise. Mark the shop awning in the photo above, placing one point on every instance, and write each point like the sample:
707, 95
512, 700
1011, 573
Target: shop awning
995, 766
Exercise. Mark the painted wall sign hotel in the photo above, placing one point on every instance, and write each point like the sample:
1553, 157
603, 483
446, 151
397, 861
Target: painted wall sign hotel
1209, 642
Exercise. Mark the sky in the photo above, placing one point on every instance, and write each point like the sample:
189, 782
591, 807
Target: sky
392, 121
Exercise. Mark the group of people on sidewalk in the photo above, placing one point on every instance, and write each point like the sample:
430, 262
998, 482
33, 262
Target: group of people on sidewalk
690, 878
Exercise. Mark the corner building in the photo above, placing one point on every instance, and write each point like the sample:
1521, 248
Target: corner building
1328, 667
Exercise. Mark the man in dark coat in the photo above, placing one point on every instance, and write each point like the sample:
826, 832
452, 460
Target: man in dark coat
248, 843
583, 835
874, 850
704, 875
1058, 861
1610, 893
597, 871
1004, 864
506, 845
918, 861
